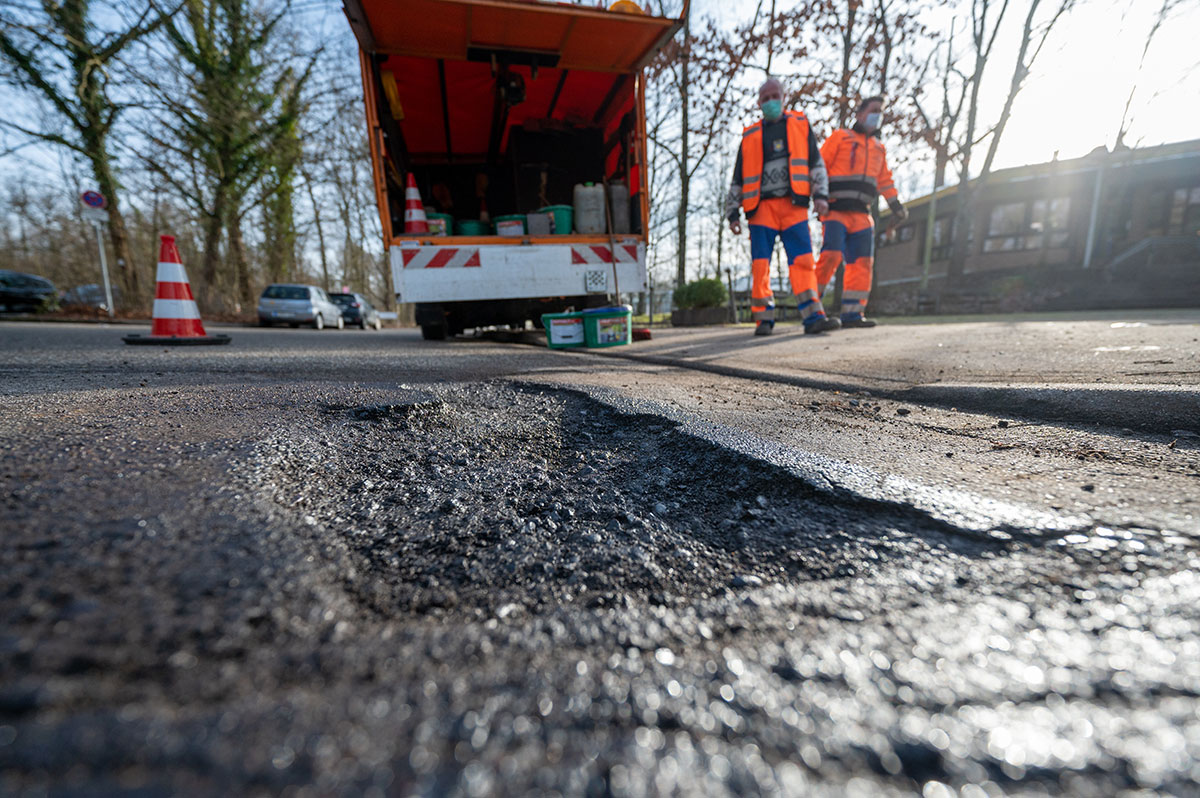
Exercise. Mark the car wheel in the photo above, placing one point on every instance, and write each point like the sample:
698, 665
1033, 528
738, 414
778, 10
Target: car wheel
433, 332
264, 323
319, 322
341, 323
362, 325
378, 325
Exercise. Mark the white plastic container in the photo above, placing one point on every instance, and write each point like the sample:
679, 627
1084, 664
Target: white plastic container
510, 227
618, 203
589, 209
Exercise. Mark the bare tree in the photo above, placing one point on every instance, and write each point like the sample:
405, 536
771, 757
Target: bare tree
984, 30
938, 128
1165, 11
231, 105
62, 54
700, 73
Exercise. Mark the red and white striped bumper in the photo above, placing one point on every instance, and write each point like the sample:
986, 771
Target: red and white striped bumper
513, 271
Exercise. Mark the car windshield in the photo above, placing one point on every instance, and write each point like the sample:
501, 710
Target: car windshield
285, 292
342, 299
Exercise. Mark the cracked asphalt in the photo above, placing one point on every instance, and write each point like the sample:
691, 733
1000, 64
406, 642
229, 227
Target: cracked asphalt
348, 563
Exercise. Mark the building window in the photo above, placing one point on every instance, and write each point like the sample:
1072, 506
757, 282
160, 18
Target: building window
1184, 218
1021, 225
897, 235
1158, 210
1005, 227
942, 241
1050, 219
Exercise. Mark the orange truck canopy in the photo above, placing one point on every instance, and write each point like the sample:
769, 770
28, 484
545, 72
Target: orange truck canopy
550, 34
437, 76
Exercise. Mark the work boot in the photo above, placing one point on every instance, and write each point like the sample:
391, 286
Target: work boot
820, 324
856, 320
765, 328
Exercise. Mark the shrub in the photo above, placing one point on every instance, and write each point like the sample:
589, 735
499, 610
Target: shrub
707, 292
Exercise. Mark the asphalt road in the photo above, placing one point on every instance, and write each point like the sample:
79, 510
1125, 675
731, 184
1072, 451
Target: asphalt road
352, 563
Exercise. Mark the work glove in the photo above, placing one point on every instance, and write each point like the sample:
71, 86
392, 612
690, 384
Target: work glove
898, 210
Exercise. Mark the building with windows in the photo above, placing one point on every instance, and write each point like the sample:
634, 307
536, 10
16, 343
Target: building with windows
1045, 227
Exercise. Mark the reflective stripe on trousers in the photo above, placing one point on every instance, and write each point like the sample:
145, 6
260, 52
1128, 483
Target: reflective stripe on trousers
778, 217
848, 235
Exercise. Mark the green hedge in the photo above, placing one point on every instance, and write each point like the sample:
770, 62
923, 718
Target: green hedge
707, 292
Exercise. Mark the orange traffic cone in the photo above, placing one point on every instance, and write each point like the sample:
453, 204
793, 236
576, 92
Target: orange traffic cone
414, 211
176, 317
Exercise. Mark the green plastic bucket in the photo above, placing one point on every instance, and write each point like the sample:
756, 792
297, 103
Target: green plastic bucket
564, 330
510, 225
443, 220
564, 218
472, 227
608, 326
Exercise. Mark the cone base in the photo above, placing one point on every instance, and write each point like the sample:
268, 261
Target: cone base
171, 340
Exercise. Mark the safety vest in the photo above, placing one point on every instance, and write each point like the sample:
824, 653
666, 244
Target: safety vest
752, 160
858, 170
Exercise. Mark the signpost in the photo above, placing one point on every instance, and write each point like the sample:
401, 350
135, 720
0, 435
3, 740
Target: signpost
94, 211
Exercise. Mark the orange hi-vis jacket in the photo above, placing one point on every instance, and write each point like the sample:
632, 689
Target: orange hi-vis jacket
798, 137
858, 171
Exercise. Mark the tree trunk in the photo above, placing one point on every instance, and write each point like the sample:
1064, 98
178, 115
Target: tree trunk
312, 198
965, 208
107, 185
847, 50
771, 39
241, 269
210, 266
684, 172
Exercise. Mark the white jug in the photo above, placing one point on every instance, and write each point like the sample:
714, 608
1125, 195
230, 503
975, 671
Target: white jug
589, 209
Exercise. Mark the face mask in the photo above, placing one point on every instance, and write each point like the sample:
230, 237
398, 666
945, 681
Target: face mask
872, 122
772, 109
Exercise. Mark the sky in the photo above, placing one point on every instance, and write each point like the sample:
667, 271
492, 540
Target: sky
1073, 101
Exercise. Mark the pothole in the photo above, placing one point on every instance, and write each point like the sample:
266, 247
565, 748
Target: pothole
494, 498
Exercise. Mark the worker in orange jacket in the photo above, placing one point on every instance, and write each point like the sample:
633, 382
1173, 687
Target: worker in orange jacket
778, 172
858, 174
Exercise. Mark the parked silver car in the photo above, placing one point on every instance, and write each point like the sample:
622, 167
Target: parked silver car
298, 304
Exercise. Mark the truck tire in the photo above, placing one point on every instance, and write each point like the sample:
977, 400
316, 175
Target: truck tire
433, 332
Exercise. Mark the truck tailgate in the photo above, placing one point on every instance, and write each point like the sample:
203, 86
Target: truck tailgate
461, 273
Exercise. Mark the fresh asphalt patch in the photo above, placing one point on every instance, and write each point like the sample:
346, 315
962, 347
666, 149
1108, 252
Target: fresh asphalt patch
489, 589
496, 496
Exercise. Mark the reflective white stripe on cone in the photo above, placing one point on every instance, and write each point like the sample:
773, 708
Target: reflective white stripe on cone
414, 211
176, 316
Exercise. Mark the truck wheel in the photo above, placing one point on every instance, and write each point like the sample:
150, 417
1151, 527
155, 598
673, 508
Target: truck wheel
433, 332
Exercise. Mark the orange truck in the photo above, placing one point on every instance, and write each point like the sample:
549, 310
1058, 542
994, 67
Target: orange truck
512, 117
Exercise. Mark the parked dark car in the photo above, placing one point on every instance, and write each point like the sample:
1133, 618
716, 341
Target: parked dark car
357, 311
89, 296
20, 292
296, 305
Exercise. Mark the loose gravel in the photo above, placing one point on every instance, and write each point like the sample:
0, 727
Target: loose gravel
492, 590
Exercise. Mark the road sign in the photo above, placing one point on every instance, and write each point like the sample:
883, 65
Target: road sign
93, 211
93, 199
